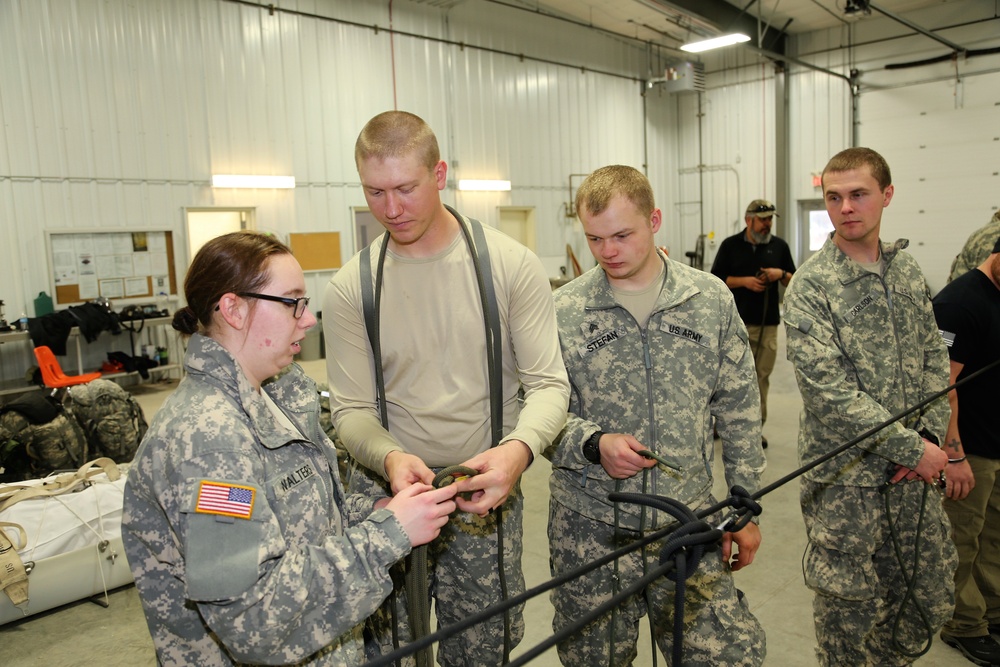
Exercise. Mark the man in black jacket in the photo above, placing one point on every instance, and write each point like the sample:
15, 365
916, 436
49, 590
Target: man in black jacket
752, 263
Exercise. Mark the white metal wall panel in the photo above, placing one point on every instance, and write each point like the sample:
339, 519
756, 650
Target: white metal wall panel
664, 140
938, 125
944, 162
115, 113
736, 155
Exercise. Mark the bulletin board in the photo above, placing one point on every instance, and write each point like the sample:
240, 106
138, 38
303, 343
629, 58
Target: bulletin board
316, 251
125, 265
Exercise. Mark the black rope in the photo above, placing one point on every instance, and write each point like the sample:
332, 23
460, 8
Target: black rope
489, 612
680, 550
910, 579
691, 535
864, 436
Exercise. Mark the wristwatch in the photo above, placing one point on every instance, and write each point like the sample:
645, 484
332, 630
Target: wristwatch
592, 447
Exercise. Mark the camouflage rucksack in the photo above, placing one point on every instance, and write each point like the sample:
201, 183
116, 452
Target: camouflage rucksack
111, 418
37, 436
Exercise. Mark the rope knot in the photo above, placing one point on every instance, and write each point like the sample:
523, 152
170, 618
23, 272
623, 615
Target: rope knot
452, 474
685, 548
744, 502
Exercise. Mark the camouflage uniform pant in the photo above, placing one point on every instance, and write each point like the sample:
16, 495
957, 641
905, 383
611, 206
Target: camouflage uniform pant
464, 580
851, 565
718, 626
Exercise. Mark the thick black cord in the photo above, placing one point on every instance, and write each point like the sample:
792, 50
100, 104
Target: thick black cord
740, 499
687, 541
909, 578
489, 612
847, 445
714, 535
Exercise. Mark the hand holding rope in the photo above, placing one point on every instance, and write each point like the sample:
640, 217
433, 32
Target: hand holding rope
417, 579
744, 503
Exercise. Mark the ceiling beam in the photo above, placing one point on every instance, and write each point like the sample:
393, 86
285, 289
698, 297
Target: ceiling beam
913, 26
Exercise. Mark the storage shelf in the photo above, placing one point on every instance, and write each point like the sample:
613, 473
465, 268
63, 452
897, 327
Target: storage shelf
17, 386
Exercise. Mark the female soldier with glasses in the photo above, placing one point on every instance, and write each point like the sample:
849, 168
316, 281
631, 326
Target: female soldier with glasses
243, 544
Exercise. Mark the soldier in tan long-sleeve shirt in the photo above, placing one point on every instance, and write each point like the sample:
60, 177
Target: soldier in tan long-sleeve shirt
434, 359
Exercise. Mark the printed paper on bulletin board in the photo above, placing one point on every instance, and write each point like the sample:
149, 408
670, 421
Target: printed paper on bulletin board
316, 251
130, 265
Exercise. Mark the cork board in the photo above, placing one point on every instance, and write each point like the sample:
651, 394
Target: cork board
130, 266
316, 251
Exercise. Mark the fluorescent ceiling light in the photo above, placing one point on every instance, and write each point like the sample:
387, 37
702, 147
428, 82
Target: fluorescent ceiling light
238, 181
491, 186
715, 42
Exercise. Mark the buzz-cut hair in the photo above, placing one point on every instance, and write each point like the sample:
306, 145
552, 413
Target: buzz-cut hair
604, 184
855, 158
394, 134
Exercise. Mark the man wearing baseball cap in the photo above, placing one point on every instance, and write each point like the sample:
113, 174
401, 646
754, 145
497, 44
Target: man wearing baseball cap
752, 263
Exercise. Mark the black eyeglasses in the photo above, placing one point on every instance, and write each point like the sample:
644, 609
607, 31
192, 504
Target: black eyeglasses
299, 304
762, 208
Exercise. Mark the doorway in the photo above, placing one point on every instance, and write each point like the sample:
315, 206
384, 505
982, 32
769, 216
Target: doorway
814, 228
366, 227
518, 222
204, 224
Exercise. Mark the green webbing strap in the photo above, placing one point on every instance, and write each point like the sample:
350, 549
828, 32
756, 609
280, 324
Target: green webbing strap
417, 586
491, 316
370, 303
371, 300
494, 359
418, 604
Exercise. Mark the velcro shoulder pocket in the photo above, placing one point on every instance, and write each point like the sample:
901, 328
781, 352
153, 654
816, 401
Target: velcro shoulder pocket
223, 545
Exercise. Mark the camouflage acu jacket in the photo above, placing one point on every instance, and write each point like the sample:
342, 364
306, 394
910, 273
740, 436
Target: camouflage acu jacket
864, 347
233, 526
977, 248
662, 383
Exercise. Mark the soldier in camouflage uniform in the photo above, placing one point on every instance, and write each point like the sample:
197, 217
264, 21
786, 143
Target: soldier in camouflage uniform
237, 529
977, 248
654, 350
862, 338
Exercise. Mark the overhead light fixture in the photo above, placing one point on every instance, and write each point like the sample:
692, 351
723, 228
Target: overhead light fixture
485, 186
244, 181
715, 43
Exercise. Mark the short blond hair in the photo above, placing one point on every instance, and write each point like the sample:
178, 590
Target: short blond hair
855, 158
600, 187
393, 134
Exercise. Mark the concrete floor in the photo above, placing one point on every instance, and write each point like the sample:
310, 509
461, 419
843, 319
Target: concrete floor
85, 633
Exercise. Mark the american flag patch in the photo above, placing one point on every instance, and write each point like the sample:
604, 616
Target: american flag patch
949, 337
225, 499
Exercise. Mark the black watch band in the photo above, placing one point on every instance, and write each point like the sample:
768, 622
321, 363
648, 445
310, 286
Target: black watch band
592, 447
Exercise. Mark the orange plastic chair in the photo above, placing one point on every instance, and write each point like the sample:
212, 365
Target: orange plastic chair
52, 373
